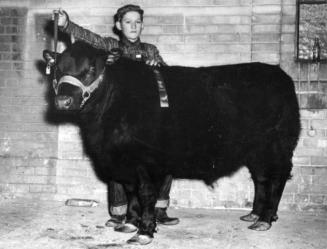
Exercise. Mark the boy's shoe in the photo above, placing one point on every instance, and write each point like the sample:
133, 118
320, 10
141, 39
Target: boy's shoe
163, 218
115, 220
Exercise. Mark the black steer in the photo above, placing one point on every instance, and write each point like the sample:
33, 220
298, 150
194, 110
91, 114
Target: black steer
219, 119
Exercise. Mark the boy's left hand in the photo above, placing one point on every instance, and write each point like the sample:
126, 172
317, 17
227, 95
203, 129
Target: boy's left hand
153, 63
113, 55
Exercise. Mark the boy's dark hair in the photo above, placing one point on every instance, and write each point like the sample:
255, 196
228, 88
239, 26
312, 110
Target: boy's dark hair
127, 8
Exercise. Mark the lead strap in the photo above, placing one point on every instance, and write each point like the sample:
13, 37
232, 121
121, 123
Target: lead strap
162, 90
48, 68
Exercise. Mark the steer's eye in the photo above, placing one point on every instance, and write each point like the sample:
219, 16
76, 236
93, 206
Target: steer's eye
88, 76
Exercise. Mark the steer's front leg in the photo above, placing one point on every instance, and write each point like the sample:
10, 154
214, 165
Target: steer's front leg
147, 198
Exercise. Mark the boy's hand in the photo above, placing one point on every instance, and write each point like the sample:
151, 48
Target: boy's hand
153, 63
62, 17
113, 55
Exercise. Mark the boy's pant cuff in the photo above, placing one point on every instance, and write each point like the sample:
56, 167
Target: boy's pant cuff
162, 204
120, 210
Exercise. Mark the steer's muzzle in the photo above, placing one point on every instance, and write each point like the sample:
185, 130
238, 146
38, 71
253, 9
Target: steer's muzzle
63, 102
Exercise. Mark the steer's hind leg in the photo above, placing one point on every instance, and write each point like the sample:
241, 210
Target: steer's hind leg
259, 204
270, 186
253, 216
260, 197
275, 189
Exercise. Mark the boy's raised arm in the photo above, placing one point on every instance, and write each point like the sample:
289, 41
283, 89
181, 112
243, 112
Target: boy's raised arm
80, 33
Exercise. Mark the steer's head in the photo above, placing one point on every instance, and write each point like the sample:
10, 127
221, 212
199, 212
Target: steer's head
77, 74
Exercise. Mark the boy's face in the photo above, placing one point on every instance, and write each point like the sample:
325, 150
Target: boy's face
131, 25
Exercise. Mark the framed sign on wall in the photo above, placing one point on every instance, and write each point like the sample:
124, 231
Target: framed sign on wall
311, 40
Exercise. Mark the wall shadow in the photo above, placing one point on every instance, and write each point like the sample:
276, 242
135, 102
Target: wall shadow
52, 115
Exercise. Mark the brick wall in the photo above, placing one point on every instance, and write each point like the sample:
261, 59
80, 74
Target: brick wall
28, 145
43, 160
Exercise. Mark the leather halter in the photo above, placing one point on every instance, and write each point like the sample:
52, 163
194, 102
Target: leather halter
86, 90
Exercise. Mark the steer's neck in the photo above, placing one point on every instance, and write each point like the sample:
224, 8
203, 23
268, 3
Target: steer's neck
91, 129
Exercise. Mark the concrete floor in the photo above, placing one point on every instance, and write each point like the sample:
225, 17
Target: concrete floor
44, 225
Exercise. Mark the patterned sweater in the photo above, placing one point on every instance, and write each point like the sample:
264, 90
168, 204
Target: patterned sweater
134, 50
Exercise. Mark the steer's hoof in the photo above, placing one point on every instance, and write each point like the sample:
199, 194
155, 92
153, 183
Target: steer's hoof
260, 226
140, 239
125, 228
250, 217
274, 218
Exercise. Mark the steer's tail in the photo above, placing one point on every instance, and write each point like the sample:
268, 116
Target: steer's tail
289, 126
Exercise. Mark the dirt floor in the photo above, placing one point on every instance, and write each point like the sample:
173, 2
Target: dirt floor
44, 225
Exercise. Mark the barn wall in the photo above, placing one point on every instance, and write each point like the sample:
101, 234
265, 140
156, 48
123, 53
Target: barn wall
43, 160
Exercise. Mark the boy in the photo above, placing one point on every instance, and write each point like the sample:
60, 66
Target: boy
129, 23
